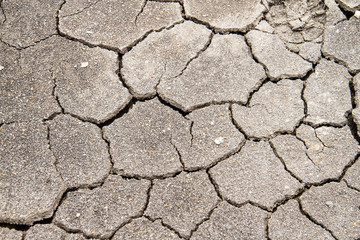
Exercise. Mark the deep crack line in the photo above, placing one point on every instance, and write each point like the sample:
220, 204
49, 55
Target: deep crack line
140, 12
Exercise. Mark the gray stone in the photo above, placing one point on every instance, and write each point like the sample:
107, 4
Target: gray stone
350, 5
317, 154
28, 22
148, 139
352, 176
274, 108
182, 202
342, 42
327, 94
231, 15
278, 60
256, 175
343, 218
101, 211
333, 14
30, 186
10, 234
229, 222
50, 232
213, 137
289, 223
310, 51
81, 153
265, 27
226, 66
162, 55
117, 24
25, 90
144, 229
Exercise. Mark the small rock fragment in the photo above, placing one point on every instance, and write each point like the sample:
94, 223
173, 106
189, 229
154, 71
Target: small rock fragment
1, 67
272, 52
327, 94
289, 223
274, 108
219, 140
265, 27
310, 51
144, 229
189, 198
343, 218
104, 209
84, 64
231, 15
256, 175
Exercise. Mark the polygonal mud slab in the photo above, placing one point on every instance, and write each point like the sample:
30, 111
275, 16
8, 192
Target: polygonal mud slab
27, 22
296, 21
256, 175
356, 84
229, 222
226, 16
114, 23
289, 223
148, 139
10, 234
278, 60
336, 207
327, 94
25, 91
352, 176
50, 232
86, 81
274, 108
101, 211
81, 153
315, 155
30, 186
224, 72
350, 5
342, 42
333, 13
182, 202
143, 228
310, 51
162, 55
214, 137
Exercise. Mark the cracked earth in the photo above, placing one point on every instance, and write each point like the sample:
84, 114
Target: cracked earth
166, 119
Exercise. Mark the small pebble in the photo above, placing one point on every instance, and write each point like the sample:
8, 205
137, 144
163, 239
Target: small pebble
329, 204
78, 215
84, 64
1, 67
219, 140
357, 14
212, 123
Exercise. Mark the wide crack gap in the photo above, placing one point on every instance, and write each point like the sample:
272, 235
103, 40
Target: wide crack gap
203, 49
348, 14
313, 220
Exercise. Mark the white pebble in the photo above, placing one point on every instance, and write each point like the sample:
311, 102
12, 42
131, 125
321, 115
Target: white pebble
78, 215
329, 204
219, 140
84, 64
357, 14
212, 123
1, 67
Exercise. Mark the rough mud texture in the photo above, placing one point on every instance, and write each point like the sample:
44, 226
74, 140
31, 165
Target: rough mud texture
274, 108
255, 175
315, 155
179, 119
336, 207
